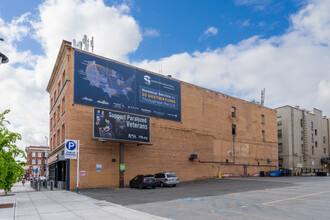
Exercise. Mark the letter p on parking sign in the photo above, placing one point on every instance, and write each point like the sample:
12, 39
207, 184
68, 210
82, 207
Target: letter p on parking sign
70, 149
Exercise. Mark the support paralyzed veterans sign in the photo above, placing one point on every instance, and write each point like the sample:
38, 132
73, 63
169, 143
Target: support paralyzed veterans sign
121, 126
70, 149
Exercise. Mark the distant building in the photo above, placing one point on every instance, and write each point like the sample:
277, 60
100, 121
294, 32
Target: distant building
303, 139
36, 158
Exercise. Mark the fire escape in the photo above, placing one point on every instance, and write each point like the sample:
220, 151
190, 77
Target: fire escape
305, 136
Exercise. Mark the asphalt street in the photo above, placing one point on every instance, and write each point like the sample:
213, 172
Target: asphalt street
239, 198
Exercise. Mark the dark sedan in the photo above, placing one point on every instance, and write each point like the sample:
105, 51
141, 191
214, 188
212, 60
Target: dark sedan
143, 181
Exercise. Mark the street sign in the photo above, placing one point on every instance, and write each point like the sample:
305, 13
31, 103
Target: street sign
122, 167
70, 150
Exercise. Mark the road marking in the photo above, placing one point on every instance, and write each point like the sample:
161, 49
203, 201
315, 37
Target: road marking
259, 216
297, 197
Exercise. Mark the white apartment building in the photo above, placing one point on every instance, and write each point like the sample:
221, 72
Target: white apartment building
303, 140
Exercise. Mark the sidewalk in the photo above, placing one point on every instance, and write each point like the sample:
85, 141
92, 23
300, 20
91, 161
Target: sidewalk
30, 204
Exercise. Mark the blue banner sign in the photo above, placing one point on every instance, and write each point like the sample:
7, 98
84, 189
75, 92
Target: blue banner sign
121, 126
106, 84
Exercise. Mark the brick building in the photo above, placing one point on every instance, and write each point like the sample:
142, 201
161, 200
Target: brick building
303, 139
227, 134
36, 159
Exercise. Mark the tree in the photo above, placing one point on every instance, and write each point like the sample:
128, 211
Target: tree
10, 169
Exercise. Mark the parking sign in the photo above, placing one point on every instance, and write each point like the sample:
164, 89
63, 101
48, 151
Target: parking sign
70, 150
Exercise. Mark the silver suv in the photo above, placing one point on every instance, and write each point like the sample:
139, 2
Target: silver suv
166, 179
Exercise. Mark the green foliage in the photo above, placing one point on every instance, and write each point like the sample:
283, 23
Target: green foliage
10, 169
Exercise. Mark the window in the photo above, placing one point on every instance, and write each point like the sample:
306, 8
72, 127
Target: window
63, 105
323, 140
279, 120
63, 132
315, 132
39, 161
263, 135
39, 154
233, 112
315, 143
233, 129
63, 77
312, 138
302, 148
33, 161
280, 147
312, 150
302, 135
301, 123
33, 154
312, 126
262, 119
325, 151
51, 143
58, 136
279, 133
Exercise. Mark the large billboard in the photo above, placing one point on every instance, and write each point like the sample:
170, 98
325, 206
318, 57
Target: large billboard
105, 84
121, 126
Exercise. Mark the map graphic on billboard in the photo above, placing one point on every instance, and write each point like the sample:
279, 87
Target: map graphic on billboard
121, 126
106, 84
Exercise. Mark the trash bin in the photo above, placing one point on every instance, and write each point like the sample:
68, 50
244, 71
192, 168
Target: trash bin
262, 173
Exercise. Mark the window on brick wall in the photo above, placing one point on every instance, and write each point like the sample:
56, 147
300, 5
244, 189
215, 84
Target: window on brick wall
63, 131
39, 161
63, 104
33, 161
39, 154
233, 112
262, 119
233, 129
58, 136
263, 135
33, 154
63, 78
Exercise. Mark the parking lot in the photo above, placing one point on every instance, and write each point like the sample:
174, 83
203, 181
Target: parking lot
237, 198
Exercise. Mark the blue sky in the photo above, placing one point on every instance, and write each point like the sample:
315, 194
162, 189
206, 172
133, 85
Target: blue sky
237, 47
180, 24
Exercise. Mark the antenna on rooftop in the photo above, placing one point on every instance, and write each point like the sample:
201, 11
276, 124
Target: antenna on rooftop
85, 41
262, 102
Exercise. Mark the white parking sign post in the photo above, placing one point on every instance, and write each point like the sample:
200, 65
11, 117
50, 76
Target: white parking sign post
71, 151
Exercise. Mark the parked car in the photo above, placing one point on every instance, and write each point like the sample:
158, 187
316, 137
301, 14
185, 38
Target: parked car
143, 181
166, 179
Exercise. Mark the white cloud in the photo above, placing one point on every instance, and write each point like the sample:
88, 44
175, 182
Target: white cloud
24, 79
211, 31
149, 32
294, 67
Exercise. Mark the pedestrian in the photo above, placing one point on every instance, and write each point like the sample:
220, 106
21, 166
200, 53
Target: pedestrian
23, 180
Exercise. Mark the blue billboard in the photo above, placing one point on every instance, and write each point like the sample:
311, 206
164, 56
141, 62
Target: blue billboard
106, 84
120, 126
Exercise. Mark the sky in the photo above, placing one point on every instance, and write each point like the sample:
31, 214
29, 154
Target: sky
236, 47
